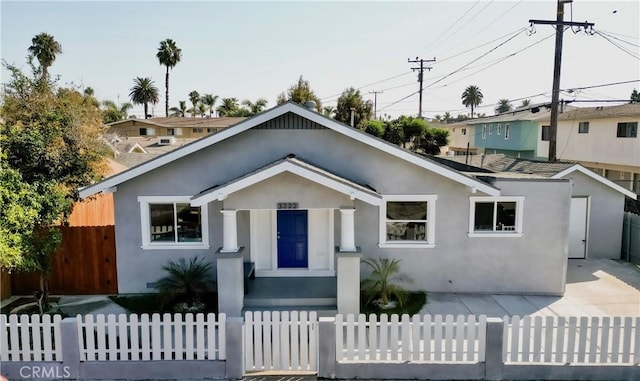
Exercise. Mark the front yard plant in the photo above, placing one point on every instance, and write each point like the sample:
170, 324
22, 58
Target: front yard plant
184, 284
381, 290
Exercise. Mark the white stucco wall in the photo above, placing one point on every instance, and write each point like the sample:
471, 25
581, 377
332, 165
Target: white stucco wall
456, 263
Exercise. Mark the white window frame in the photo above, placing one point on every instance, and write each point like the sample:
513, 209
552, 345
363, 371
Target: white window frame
145, 224
490, 128
506, 131
430, 241
499, 129
519, 200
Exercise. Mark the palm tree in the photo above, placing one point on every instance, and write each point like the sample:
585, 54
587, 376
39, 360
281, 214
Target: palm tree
144, 92
181, 110
472, 97
255, 108
45, 48
229, 107
329, 111
168, 55
209, 100
503, 106
525, 103
447, 117
194, 97
381, 287
202, 109
184, 281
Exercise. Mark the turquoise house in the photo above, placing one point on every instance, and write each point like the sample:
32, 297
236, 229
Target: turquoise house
513, 134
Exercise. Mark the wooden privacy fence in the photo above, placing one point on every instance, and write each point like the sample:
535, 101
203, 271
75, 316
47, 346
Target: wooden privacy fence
30, 338
281, 340
155, 337
84, 264
415, 339
584, 340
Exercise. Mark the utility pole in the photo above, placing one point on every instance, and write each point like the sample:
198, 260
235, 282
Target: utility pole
420, 76
555, 93
375, 102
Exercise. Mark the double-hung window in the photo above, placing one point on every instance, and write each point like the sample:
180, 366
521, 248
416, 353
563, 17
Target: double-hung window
506, 131
484, 131
499, 129
172, 223
408, 221
583, 127
495, 216
545, 133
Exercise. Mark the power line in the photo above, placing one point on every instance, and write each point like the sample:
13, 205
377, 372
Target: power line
372, 83
619, 39
618, 46
476, 59
400, 100
466, 23
452, 25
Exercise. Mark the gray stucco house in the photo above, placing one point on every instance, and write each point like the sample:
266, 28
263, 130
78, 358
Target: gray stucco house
301, 195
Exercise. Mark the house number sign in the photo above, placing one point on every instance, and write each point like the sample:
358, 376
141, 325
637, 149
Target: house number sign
287, 205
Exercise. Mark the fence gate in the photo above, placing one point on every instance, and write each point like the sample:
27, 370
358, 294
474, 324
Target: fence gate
281, 341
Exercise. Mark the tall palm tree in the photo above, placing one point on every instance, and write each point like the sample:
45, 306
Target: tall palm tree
45, 48
209, 100
472, 97
202, 109
255, 108
194, 97
503, 106
229, 107
168, 55
144, 92
180, 111
447, 117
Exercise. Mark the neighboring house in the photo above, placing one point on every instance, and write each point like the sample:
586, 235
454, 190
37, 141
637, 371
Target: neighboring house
133, 151
512, 133
302, 195
459, 139
597, 204
604, 139
181, 127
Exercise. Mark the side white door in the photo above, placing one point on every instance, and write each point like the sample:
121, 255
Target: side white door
578, 228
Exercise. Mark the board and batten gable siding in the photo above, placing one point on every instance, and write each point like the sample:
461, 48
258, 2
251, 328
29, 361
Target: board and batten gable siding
455, 257
605, 210
290, 121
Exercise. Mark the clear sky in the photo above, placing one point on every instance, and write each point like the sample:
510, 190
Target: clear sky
249, 50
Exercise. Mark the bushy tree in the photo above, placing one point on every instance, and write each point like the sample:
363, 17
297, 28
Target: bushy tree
112, 113
375, 128
51, 146
299, 92
635, 96
433, 139
362, 110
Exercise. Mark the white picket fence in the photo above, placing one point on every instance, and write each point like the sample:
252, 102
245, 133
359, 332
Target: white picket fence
281, 341
142, 338
605, 340
424, 338
30, 338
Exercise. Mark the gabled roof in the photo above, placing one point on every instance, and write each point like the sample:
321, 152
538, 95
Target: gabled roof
496, 164
595, 176
275, 112
298, 167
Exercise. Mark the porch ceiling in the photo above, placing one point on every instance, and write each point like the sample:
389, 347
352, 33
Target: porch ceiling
298, 167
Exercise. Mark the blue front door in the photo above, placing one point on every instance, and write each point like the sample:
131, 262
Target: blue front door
292, 239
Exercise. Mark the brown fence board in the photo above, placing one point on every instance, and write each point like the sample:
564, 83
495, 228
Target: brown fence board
84, 264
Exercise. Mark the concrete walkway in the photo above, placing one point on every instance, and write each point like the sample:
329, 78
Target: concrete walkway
597, 287
93, 304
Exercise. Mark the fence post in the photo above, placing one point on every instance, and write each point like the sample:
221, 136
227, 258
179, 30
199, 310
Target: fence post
327, 347
70, 347
235, 342
493, 349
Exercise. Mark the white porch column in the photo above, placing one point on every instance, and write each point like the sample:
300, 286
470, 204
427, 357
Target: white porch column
347, 230
229, 231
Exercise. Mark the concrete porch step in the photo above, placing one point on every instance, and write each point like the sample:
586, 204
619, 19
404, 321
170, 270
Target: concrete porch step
294, 302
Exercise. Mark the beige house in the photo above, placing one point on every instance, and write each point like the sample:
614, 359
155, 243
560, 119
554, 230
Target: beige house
603, 139
459, 137
179, 127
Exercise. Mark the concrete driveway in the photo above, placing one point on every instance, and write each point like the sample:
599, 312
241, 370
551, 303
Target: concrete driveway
595, 287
